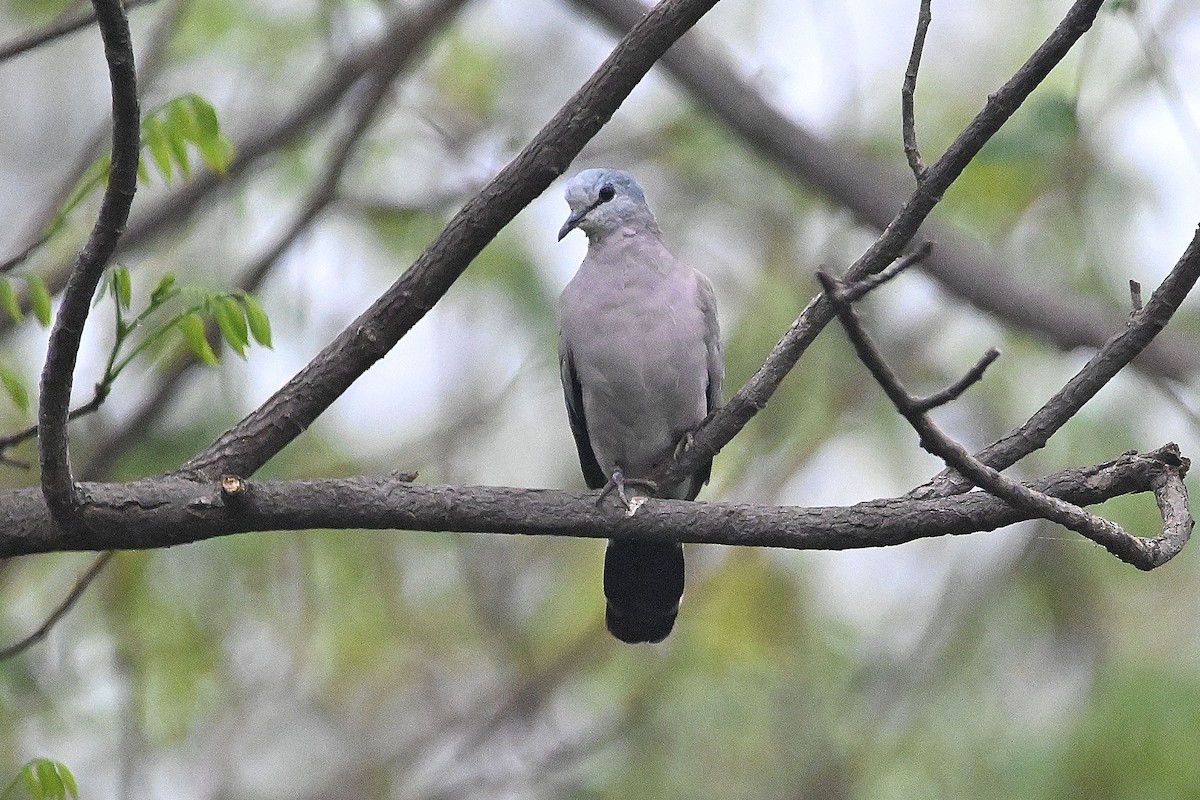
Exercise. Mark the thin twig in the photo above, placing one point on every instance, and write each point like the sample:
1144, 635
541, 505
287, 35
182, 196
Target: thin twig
13, 439
58, 373
908, 89
56, 30
1142, 553
856, 291
68, 602
955, 390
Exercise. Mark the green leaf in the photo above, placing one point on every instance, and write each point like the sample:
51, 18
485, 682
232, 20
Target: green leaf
215, 149
8, 300
39, 299
47, 780
157, 140
207, 126
122, 286
260, 324
165, 290
232, 322
179, 130
14, 387
192, 327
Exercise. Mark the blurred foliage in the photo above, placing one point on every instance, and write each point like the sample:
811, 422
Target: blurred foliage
1024, 663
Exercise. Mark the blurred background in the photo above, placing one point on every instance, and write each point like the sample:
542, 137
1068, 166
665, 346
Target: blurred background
1024, 663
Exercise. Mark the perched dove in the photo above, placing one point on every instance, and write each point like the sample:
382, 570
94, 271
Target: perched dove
641, 362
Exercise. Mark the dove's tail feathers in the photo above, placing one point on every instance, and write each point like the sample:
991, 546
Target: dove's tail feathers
643, 583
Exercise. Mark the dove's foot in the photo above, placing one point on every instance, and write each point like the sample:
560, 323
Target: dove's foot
618, 482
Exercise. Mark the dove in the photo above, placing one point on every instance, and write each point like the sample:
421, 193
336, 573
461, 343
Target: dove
641, 365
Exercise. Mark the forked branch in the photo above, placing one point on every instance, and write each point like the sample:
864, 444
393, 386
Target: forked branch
1170, 492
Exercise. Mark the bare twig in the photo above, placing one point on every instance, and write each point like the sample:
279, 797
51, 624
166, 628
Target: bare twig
13, 439
68, 602
1116, 353
57, 375
1142, 553
55, 30
955, 390
856, 291
262, 434
908, 89
1135, 297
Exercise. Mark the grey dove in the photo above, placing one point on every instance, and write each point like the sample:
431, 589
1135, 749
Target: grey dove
641, 364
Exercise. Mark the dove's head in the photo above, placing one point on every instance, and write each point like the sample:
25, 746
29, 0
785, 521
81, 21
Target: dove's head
604, 201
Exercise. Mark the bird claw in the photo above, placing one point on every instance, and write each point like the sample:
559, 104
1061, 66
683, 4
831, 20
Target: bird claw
618, 482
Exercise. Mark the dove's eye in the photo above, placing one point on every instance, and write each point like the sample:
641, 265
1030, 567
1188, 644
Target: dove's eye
607, 192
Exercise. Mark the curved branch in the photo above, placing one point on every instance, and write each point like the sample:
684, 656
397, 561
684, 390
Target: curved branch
58, 372
249, 444
171, 510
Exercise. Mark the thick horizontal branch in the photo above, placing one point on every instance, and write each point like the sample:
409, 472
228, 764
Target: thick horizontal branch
172, 510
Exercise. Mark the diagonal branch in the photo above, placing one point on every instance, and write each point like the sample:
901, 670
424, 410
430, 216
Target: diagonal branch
57, 374
721, 426
68, 602
1142, 553
873, 193
56, 30
1110, 359
254, 440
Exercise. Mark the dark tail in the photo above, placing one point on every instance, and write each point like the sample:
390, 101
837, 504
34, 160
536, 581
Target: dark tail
643, 582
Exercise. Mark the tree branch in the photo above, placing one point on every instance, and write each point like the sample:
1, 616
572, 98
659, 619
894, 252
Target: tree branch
1110, 359
908, 122
317, 199
68, 602
56, 30
263, 433
170, 510
1142, 553
57, 374
873, 193
721, 426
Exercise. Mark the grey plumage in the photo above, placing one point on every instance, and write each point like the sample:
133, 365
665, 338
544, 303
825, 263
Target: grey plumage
641, 362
